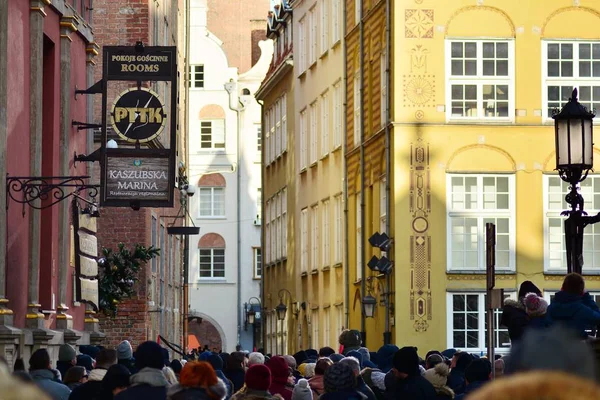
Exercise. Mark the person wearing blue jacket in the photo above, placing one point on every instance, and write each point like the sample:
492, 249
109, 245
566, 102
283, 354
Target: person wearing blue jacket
574, 307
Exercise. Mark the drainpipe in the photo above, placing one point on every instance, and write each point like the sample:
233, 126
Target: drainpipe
345, 175
263, 331
362, 171
186, 77
236, 105
387, 334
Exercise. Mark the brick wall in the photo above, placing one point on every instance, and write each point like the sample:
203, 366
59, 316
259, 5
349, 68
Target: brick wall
206, 334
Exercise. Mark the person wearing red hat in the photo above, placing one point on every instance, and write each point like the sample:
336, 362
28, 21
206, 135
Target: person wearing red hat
280, 373
256, 385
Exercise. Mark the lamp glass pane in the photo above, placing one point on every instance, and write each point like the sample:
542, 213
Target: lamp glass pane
588, 127
251, 318
576, 141
562, 142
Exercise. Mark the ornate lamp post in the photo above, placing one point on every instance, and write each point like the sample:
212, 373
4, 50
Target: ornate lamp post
573, 127
369, 302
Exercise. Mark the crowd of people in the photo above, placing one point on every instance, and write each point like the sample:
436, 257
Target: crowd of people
539, 342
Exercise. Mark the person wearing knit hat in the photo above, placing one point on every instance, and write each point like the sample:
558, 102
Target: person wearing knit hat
385, 356
361, 386
316, 383
514, 316
336, 358
300, 357
350, 339
114, 382
302, 391
257, 383
198, 381
125, 356
326, 351
217, 363
366, 358
148, 383
406, 381
67, 358
340, 383
433, 360
438, 377
291, 361
536, 308
280, 374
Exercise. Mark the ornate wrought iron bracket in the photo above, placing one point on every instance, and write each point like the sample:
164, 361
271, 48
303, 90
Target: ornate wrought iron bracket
45, 191
84, 125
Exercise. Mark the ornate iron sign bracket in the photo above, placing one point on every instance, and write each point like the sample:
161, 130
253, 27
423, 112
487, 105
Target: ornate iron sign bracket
45, 191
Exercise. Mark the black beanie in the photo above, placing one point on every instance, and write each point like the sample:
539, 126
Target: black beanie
117, 376
406, 360
528, 287
149, 355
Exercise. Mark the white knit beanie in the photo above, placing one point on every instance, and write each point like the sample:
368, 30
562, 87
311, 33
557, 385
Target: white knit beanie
438, 376
302, 391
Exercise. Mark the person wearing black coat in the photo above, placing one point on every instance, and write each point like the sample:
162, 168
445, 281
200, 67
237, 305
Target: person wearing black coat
92, 389
148, 383
234, 371
514, 316
404, 381
456, 379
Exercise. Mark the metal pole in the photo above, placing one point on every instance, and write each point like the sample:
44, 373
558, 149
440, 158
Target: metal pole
490, 239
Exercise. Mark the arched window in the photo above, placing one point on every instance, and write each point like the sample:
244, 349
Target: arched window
211, 256
212, 196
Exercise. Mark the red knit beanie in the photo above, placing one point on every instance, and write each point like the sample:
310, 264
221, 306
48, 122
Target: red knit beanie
258, 377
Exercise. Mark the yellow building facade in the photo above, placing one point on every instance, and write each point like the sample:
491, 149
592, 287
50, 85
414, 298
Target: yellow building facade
474, 84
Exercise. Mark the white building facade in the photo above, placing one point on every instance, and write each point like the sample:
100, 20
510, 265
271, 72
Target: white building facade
225, 262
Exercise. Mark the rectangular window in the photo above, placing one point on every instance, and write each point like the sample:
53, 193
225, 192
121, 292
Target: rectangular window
258, 138
555, 190
357, 112
314, 238
304, 240
339, 320
257, 263
196, 76
212, 202
273, 221
313, 132
383, 87
259, 203
278, 127
268, 227
359, 243
467, 323
284, 122
336, 17
312, 41
278, 227
212, 263
153, 240
357, 11
569, 65
480, 82
338, 229
326, 327
338, 108
325, 124
273, 142
284, 225
302, 45
303, 140
382, 205
324, 25
326, 241
212, 134
314, 320
473, 201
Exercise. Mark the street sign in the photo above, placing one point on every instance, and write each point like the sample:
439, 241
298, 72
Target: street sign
138, 115
135, 63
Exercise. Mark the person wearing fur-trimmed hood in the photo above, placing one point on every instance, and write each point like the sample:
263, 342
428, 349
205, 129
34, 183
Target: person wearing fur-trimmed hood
438, 377
514, 315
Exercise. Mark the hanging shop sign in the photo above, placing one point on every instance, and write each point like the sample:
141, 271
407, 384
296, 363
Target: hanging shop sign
138, 115
140, 172
86, 254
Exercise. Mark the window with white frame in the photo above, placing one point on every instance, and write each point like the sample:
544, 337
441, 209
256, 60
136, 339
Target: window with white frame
274, 237
312, 39
302, 61
555, 190
258, 138
278, 227
325, 146
314, 321
212, 262
314, 237
303, 140
383, 87
338, 229
467, 323
267, 136
357, 112
284, 224
359, 243
326, 327
568, 65
259, 203
336, 17
382, 205
473, 201
284, 122
196, 76
337, 115
480, 82
278, 127
257, 262
324, 25
212, 134
273, 124
325, 242
313, 132
304, 240
268, 228
357, 11
212, 202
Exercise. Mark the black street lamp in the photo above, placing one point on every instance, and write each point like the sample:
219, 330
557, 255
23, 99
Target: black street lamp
250, 312
369, 302
573, 127
281, 309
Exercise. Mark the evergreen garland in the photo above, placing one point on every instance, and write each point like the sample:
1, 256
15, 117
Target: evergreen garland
118, 273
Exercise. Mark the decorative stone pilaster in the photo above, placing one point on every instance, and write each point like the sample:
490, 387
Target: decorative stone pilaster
92, 325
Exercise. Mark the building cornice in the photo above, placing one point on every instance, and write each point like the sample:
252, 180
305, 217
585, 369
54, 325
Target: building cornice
274, 78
